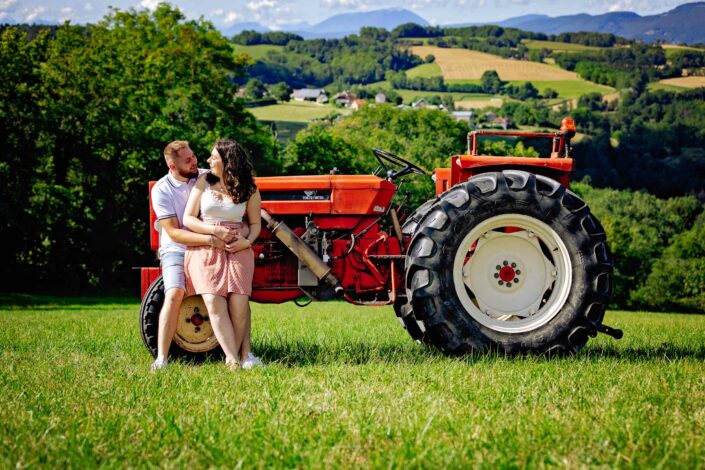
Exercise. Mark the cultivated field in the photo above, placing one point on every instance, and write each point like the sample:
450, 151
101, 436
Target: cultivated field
292, 111
459, 64
557, 46
424, 71
343, 387
685, 82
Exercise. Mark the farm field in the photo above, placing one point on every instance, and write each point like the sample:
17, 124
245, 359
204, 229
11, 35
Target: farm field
257, 51
343, 386
684, 82
292, 111
557, 46
566, 88
463, 64
424, 71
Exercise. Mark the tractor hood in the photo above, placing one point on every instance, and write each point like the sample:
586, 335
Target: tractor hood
325, 194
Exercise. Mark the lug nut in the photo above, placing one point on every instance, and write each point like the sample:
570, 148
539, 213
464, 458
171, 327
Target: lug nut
498, 267
514, 265
188, 320
496, 275
518, 271
500, 282
516, 279
509, 284
505, 262
196, 310
198, 328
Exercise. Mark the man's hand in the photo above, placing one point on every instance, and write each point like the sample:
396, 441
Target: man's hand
238, 245
226, 234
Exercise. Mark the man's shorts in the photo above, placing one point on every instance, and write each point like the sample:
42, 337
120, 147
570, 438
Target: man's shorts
173, 271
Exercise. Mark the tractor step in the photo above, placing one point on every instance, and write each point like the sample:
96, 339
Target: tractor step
609, 331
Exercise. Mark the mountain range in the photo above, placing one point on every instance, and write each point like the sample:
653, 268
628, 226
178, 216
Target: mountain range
683, 24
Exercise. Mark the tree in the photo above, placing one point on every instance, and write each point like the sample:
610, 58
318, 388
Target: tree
255, 89
281, 91
491, 82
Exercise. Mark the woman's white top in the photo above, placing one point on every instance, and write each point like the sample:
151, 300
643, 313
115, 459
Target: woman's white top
217, 208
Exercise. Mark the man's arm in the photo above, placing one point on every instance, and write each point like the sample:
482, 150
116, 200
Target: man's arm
188, 238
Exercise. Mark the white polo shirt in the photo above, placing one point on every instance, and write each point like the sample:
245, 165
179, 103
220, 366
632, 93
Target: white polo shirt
169, 197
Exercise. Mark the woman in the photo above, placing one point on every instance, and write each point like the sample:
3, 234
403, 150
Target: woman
224, 277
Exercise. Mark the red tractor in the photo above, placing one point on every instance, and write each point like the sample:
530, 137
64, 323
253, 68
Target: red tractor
505, 257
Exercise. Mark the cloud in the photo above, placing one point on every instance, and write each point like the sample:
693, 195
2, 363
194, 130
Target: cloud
7, 4
345, 4
88, 7
67, 10
34, 12
262, 5
231, 17
218, 12
150, 4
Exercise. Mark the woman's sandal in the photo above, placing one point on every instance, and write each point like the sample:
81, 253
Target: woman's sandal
233, 365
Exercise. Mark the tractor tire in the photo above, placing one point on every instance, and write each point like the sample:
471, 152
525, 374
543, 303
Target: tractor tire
510, 262
402, 306
194, 339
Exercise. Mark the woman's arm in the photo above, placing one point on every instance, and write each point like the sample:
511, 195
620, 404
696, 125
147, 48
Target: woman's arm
255, 222
192, 221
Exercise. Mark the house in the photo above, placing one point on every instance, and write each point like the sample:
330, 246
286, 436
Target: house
504, 123
343, 99
422, 103
466, 116
322, 99
380, 98
308, 94
357, 104
490, 116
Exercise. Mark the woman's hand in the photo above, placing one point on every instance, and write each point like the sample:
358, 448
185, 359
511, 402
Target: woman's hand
238, 245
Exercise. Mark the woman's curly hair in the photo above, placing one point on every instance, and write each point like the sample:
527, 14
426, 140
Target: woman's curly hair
238, 180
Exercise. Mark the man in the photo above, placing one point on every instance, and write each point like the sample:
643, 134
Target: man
169, 196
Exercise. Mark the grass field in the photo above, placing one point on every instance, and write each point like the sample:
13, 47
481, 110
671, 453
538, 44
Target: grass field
557, 46
565, 88
684, 82
292, 111
463, 64
258, 51
343, 387
424, 71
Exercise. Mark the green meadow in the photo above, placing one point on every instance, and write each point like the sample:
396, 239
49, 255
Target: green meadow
292, 111
343, 386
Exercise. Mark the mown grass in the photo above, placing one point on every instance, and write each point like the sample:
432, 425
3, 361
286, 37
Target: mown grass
292, 111
424, 71
558, 46
257, 51
343, 387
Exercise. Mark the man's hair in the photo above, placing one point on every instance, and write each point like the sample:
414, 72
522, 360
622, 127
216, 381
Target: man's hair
173, 148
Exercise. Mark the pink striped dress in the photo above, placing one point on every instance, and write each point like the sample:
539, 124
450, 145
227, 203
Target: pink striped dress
210, 270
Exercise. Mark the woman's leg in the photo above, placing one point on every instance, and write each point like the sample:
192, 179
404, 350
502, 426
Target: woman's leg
240, 316
222, 326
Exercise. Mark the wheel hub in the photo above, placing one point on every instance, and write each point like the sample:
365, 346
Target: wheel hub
513, 273
193, 330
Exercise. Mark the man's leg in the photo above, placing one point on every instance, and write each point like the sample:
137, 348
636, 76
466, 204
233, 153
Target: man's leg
174, 291
168, 319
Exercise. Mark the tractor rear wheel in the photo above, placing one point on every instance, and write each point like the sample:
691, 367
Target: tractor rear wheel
194, 338
510, 262
402, 306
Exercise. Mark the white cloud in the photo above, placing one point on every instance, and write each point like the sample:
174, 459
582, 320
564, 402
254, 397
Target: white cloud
345, 4
231, 17
218, 12
262, 5
7, 4
67, 10
150, 4
88, 7
33, 13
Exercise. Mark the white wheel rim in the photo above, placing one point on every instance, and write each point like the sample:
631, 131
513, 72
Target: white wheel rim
194, 332
512, 281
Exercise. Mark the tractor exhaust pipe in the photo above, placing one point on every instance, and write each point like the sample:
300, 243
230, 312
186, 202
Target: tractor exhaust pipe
302, 251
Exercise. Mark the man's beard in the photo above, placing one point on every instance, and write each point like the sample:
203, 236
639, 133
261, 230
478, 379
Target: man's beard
188, 174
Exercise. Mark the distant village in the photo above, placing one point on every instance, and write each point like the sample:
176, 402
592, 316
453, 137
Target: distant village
347, 99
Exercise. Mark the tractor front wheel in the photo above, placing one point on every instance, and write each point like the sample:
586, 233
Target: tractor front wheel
194, 338
511, 262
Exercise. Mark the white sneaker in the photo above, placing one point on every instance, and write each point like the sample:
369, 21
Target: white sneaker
159, 364
251, 362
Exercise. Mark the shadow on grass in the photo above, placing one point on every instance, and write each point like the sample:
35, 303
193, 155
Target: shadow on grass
646, 353
49, 302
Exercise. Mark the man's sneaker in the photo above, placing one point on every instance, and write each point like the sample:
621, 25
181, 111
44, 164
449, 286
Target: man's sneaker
159, 364
251, 362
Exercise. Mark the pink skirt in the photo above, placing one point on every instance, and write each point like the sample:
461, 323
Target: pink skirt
210, 270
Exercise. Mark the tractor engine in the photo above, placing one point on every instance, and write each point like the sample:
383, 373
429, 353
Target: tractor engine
335, 220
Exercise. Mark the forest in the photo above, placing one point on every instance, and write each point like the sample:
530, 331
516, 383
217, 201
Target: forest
86, 110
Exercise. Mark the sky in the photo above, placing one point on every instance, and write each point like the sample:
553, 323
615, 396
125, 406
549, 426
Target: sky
276, 13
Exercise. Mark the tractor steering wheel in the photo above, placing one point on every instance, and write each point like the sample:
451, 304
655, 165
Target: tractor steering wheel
387, 160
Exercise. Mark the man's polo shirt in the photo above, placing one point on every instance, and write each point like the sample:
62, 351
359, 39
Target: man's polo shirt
169, 197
